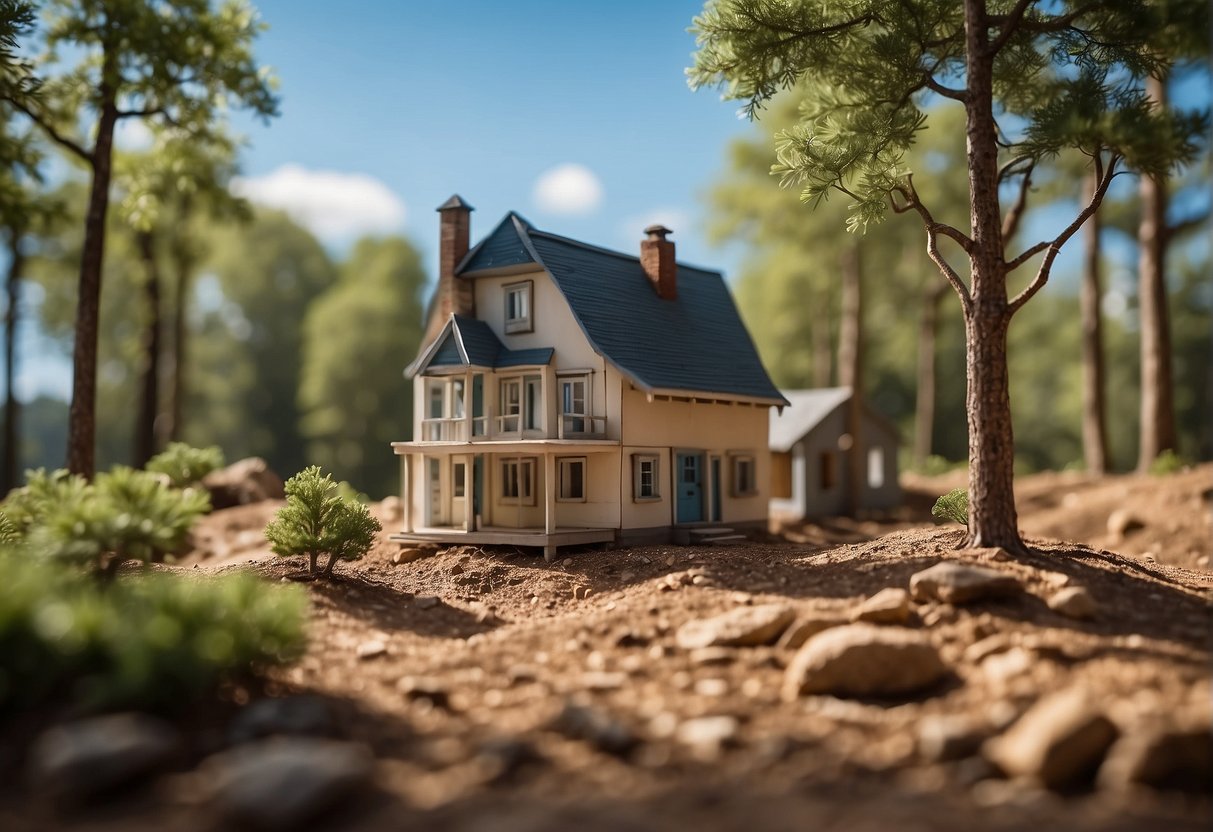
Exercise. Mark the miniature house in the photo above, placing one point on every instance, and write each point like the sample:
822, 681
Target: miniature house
567, 394
810, 467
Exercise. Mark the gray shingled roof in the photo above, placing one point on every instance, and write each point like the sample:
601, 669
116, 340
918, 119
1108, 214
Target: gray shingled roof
696, 343
481, 346
806, 411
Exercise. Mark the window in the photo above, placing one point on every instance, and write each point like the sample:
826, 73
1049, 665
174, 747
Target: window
644, 477
457, 404
511, 404
781, 475
571, 472
459, 479
518, 481
574, 400
744, 482
534, 402
437, 401
827, 470
518, 307
875, 467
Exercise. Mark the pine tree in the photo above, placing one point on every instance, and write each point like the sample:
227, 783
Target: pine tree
317, 520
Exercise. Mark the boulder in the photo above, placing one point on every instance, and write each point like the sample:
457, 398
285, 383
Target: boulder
285, 782
1123, 521
889, 606
804, 628
304, 715
740, 627
247, 481
1060, 741
947, 737
958, 583
864, 660
1073, 602
1165, 756
83, 760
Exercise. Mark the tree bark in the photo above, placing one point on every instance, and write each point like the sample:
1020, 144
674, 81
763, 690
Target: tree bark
144, 445
850, 372
10, 466
924, 406
82, 416
992, 516
1094, 434
1157, 428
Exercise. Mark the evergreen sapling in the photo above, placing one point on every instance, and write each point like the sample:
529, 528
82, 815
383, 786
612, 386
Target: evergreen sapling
317, 520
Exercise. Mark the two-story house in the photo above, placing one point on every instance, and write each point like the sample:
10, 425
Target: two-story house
567, 394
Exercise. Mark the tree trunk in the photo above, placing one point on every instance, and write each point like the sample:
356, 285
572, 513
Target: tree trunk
850, 373
924, 407
1094, 437
1157, 432
992, 517
823, 360
149, 363
10, 467
172, 425
82, 416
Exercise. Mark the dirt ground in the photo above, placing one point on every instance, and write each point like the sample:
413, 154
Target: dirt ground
466, 673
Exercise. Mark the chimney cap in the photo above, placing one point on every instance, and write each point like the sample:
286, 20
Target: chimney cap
657, 231
456, 201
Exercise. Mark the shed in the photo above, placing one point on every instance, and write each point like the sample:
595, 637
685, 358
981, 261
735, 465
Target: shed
809, 464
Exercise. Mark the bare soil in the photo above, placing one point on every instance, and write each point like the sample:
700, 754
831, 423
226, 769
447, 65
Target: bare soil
483, 650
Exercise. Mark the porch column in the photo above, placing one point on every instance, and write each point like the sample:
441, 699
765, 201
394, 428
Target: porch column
467, 412
549, 493
469, 490
406, 493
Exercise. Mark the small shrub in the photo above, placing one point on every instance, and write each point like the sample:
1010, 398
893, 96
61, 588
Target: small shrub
1168, 462
952, 506
151, 640
317, 520
185, 465
27, 507
8, 531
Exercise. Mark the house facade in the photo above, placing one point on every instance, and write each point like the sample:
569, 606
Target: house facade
811, 466
567, 394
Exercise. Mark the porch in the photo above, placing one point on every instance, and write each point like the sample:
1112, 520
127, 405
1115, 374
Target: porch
509, 537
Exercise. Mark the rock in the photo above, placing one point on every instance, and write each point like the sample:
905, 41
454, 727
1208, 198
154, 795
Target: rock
740, 627
247, 481
499, 760
1161, 755
595, 727
958, 583
426, 602
707, 736
285, 782
864, 660
371, 649
704, 656
418, 688
976, 652
602, 681
889, 606
1008, 664
711, 687
293, 715
1122, 521
83, 760
1059, 741
950, 737
410, 554
1073, 602
804, 628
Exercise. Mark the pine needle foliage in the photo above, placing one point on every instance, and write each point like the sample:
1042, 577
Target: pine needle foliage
184, 464
952, 506
318, 520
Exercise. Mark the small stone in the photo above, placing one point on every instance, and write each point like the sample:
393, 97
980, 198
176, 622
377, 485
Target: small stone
426, 602
711, 687
1149, 557
456, 569
285, 782
1008, 664
371, 649
958, 583
566, 563
627, 577
86, 759
1161, 755
1060, 740
499, 760
595, 727
864, 660
949, 737
977, 652
1073, 602
740, 627
521, 674
804, 628
602, 681
889, 606
712, 656
421, 688
707, 736
1122, 521
293, 715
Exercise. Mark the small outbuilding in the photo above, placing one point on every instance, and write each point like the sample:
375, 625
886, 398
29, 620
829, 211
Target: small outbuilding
810, 467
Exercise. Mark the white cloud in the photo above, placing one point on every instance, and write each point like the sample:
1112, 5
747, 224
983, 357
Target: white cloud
334, 206
568, 189
133, 134
674, 219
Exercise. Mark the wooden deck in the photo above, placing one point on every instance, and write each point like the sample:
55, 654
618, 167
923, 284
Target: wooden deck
509, 537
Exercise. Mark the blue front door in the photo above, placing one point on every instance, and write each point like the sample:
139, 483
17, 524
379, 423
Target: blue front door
690, 488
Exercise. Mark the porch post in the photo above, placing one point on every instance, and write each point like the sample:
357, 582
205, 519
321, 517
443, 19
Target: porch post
549, 504
467, 411
406, 493
469, 490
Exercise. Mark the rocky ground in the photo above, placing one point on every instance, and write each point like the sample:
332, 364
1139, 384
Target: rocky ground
841, 676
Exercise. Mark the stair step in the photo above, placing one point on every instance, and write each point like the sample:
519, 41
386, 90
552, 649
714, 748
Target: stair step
708, 531
721, 539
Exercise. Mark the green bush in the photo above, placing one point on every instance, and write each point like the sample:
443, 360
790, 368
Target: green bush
317, 520
1168, 462
27, 507
185, 465
154, 640
123, 515
952, 506
8, 531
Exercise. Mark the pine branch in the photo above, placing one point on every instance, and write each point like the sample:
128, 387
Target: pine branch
1010, 223
934, 229
50, 129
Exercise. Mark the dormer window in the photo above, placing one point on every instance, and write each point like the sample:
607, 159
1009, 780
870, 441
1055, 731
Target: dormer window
518, 307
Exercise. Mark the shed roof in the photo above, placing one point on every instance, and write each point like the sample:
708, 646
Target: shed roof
806, 410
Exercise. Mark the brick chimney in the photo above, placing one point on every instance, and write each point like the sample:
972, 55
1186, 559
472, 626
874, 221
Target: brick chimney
452, 295
657, 260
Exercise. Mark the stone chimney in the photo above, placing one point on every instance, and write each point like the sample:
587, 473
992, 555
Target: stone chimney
452, 295
657, 260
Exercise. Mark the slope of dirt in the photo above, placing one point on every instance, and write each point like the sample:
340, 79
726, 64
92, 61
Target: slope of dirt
476, 659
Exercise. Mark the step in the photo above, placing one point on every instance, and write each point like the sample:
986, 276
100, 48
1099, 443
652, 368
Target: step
724, 539
707, 531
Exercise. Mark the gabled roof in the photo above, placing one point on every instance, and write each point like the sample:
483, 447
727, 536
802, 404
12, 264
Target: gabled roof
809, 408
467, 342
694, 344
